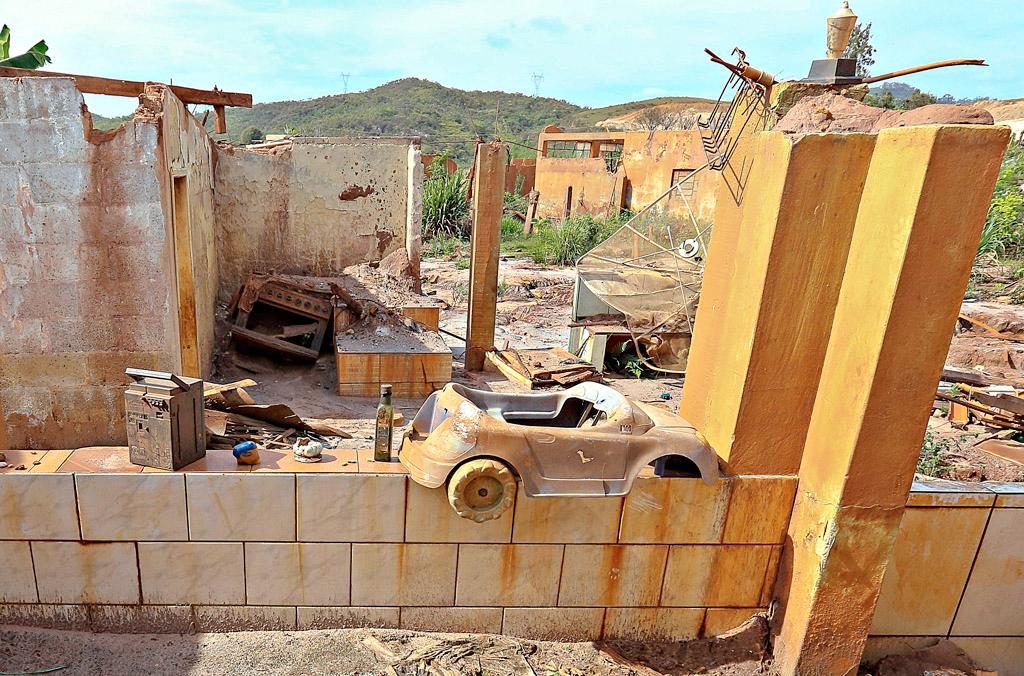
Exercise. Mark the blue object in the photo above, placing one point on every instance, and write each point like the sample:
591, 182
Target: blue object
243, 447
664, 395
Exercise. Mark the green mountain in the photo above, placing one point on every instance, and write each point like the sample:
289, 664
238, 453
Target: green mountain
443, 117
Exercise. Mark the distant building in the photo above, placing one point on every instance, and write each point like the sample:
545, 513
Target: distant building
602, 172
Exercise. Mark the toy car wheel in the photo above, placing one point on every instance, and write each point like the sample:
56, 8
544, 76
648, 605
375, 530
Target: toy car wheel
481, 489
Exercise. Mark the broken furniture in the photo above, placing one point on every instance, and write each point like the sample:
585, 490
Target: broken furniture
588, 440
164, 417
541, 367
278, 315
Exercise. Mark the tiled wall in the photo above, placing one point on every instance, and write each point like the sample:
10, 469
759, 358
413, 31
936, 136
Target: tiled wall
178, 552
957, 571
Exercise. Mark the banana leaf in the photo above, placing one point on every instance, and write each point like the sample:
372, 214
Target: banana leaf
34, 58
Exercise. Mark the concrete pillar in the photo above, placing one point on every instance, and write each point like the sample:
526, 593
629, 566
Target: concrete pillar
917, 228
414, 212
771, 281
488, 197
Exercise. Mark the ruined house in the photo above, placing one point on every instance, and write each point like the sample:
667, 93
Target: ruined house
116, 246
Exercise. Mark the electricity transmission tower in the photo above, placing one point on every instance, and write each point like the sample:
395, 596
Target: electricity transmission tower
344, 78
537, 79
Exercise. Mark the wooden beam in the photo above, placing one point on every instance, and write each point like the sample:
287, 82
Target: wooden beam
488, 195
89, 84
220, 120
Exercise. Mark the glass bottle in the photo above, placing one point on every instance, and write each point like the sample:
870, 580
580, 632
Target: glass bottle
385, 426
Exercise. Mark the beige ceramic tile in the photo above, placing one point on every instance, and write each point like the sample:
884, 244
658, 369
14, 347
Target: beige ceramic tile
932, 544
141, 619
216, 460
429, 517
1004, 655
453, 620
508, 575
949, 494
293, 574
132, 506
26, 460
403, 574
244, 618
38, 507
350, 508
992, 602
1008, 493
554, 624
367, 465
17, 581
718, 621
759, 509
333, 461
709, 575
566, 520
98, 572
674, 511
653, 624
348, 617
103, 459
241, 506
51, 462
192, 572
612, 575
68, 617
878, 647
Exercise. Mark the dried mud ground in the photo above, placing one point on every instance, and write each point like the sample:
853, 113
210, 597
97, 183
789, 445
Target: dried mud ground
372, 651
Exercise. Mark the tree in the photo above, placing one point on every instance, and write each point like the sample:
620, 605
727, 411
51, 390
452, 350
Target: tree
918, 99
250, 134
34, 58
860, 48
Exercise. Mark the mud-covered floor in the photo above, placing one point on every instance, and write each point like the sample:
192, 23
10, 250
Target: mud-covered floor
371, 651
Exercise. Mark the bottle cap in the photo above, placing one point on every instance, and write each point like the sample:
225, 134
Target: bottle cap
385, 389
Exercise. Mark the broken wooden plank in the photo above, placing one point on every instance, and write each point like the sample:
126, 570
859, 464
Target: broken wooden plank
90, 84
211, 389
953, 374
506, 369
988, 329
1007, 449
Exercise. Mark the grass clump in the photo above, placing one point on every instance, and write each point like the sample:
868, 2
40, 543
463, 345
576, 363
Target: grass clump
931, 461
445, 203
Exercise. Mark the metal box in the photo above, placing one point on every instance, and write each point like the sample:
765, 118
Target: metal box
164, 415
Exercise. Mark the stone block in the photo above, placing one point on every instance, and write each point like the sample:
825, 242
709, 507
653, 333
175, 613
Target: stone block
612, 575
759, 509
995, 590
241, 506
348, 617
141, 619
38, 507
17, 582
430, 518
192, 572
350, 508
297, 574
132, 506
674, 511
44, 615
508, 575
554, 624
453, 620
722, 575
950, 494
652, 624
209, 619
933, 544
565, 520
86, 572
403, 574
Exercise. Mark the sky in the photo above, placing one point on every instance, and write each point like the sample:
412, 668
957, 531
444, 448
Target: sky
589, 52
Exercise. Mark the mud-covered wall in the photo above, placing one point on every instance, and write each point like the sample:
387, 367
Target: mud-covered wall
85, 261
313, 209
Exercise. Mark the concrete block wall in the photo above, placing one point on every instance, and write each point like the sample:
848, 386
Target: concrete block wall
84, 255
956, 572
174, 552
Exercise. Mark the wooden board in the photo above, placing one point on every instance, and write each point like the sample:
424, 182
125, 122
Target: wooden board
427, 315
269, 343
1004, 448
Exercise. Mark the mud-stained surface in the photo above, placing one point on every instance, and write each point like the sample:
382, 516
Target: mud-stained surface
376, 651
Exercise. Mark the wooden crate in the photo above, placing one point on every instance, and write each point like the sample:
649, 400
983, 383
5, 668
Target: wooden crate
410, 373
428, 315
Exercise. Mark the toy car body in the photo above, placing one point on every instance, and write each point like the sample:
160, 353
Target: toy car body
588, 440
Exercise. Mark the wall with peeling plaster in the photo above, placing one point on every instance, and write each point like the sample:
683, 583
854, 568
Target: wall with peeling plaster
84, 258
322, 205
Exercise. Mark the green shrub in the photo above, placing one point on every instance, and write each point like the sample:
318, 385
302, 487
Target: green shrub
576, 236
445, 207
250, 134
511, 228
931, 462
1004, 226
444, 246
